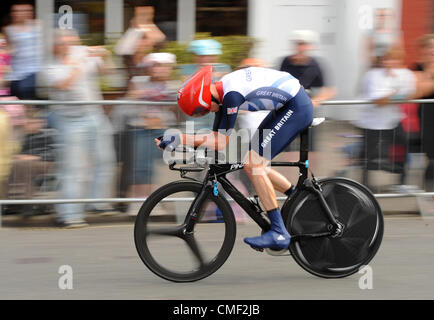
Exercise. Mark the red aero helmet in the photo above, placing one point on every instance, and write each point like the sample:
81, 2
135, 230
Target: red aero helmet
194, 98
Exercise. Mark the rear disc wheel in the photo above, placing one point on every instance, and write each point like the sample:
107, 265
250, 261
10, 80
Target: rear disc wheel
334, 257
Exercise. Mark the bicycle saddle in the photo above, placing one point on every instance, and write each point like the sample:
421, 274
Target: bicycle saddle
317, 122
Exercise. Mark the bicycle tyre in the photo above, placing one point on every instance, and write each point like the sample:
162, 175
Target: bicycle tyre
352, 204
141, 238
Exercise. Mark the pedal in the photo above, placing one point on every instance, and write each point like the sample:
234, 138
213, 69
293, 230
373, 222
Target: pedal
257, 249
278, 252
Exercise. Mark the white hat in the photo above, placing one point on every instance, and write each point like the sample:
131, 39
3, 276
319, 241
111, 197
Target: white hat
160, 57
307, 36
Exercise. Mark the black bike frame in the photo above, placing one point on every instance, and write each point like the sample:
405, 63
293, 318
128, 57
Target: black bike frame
251, 208
218, 172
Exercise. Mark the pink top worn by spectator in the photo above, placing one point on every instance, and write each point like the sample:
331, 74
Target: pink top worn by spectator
5, 59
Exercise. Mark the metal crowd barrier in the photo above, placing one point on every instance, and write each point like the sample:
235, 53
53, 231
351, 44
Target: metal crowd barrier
165, 103
172, 103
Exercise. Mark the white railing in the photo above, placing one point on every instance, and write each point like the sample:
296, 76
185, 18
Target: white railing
166, 103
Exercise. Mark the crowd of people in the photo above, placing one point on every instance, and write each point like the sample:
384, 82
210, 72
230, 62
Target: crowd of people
80, 151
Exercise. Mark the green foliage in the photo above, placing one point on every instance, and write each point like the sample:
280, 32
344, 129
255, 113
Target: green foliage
180, 50
93, 39
235, 49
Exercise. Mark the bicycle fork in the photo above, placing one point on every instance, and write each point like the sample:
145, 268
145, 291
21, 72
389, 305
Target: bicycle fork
193, 212
336, 228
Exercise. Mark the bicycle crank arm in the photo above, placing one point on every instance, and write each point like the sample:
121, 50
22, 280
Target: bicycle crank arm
306, 236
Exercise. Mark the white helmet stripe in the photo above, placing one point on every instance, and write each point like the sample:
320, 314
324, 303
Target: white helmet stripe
203, 103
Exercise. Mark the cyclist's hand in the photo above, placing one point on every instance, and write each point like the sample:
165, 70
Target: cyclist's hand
168, 142
157, 142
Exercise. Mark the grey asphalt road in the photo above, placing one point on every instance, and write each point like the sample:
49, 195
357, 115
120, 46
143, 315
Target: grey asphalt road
105, 266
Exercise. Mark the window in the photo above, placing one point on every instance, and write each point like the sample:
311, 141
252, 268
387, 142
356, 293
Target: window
165, 14
221, 17
88, 19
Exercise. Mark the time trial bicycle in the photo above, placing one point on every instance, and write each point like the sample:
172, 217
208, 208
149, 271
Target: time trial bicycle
336, 224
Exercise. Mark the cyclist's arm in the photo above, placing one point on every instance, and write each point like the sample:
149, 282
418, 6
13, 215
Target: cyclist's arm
224, 122
213, 140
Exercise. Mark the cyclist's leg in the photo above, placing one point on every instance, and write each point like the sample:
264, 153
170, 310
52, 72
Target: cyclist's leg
280, 183
264, 179
255, 167
272, 136
278, 237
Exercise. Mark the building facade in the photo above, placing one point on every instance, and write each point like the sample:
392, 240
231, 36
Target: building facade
341, 25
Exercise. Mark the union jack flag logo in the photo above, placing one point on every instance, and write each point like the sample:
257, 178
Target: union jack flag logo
232, 110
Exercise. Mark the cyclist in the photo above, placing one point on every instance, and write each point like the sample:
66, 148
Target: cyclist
251, 89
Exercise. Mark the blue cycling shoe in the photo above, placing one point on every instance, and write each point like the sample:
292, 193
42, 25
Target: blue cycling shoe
277, 238
270, 239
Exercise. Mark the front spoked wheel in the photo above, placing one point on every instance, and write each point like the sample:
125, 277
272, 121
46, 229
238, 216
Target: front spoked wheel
170, 251
340, 255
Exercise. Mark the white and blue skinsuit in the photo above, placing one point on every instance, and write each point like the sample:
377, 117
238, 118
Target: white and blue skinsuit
256, 89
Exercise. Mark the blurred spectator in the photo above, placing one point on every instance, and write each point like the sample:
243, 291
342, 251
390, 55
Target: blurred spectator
5, 61
17, 114
145, 123
306, 68
86, 153
24, 36
6, 151
384, 142
383, 36
139, 40
426, 110
12, 127
205, 52
32, 166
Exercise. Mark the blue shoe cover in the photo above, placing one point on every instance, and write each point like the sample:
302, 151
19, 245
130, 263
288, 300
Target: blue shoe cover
270, 239
277, 238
